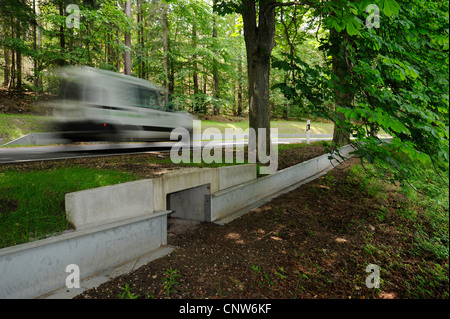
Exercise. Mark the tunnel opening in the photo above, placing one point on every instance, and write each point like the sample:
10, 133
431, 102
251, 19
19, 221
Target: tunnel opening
189, 207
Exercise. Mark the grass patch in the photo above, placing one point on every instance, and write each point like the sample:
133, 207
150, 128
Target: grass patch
32, 203
284, 127
15, 126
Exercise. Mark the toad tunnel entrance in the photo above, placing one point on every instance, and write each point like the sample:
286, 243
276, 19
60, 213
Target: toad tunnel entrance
189, 207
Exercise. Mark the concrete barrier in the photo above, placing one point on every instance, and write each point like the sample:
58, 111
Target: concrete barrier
127, 200
109, 203
232, 200
217, 178
38, 139
32, 269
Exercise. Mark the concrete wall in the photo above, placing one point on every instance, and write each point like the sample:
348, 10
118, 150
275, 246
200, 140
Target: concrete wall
217, 178
109, 203
230, 176
31, 269
122, 201
229, 201
191, 204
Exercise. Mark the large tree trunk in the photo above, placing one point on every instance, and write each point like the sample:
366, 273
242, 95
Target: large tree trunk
62, 38
194, 67
342, 98
127, 60
215, 69
166, 49
259, 42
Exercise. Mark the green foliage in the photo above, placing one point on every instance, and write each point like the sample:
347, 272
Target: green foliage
127, 294
169, 281
397, 75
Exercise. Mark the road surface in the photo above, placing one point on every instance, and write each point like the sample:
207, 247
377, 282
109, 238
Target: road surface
60, 152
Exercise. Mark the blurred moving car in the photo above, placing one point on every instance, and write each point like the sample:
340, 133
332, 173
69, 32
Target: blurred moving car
99, 105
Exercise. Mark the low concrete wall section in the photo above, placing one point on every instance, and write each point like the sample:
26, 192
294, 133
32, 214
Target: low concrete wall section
118, 202
109, 203
32, 269
234, 199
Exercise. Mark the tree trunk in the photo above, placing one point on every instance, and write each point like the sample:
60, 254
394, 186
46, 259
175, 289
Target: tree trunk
35, 45
259, 42
12, 73
62, 38
6, 67
194, 67
205, 81
342, 98
127, 59
239, 93
141, 23
166, 50
215, 69
19, 69
118, 51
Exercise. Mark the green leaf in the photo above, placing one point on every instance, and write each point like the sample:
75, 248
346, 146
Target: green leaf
389, 7
352, 26
335, 23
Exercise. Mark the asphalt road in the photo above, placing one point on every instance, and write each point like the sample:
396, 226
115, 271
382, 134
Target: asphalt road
60, 152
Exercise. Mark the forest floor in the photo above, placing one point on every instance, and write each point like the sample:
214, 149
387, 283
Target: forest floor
23, 102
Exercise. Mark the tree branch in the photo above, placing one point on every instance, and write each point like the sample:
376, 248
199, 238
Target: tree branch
293, 3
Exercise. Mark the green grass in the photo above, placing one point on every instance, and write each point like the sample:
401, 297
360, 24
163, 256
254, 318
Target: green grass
32, 203
15, 126
284, 127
